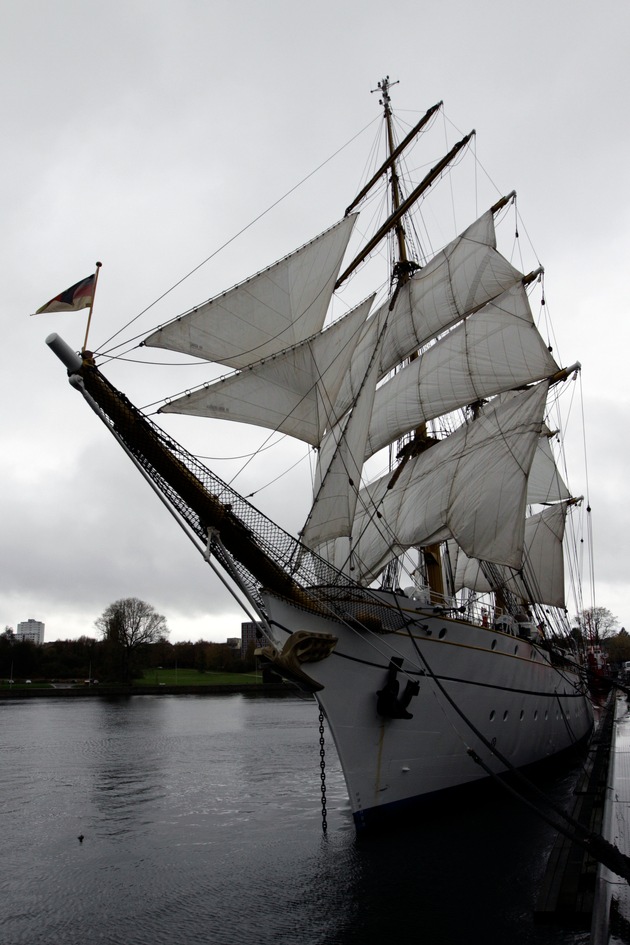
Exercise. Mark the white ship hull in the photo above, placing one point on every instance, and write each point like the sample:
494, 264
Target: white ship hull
504, 687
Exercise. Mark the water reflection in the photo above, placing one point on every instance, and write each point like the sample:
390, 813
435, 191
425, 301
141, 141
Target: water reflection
126, 779
202, 823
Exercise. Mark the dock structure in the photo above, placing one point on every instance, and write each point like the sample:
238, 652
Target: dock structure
578, 892
611, 908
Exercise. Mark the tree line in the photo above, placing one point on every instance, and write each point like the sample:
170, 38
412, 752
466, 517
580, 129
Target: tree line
133, 641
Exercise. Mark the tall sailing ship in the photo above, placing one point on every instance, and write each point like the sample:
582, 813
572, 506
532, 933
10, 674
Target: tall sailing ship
423, 608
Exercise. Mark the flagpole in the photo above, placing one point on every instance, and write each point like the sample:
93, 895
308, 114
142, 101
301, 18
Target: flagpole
87, 329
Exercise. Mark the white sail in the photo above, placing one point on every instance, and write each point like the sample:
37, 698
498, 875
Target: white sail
543, 562
458, 280
494, 350
467, 572
276, 308
292, 392
545, 482
471, 486
339, 471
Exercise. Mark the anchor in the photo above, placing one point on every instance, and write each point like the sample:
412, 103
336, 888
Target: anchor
390, 704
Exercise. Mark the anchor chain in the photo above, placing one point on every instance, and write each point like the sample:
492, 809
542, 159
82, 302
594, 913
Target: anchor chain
322, 766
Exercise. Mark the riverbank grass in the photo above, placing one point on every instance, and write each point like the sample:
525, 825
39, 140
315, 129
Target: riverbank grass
191, 677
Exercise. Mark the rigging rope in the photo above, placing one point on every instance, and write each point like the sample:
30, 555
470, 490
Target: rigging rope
589, 521
235, 236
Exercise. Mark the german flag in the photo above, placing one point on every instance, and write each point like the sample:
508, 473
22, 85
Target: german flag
78, 296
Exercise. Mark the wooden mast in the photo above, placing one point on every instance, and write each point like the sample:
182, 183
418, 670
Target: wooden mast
403, 271
394, 179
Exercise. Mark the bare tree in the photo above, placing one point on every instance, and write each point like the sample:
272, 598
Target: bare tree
596, 623
127, 626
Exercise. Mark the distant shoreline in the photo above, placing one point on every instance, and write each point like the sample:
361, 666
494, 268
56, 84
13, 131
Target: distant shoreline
105, 691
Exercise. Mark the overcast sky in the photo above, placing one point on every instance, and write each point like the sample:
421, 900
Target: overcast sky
147, 134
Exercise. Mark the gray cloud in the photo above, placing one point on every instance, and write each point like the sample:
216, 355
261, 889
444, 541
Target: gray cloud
148, 135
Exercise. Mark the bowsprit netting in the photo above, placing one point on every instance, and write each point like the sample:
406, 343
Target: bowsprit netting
261, 554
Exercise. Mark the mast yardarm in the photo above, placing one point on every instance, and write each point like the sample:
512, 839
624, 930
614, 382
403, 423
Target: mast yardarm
400, 207
406, 205
395, 153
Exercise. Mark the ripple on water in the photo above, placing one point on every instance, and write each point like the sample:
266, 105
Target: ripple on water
201, 820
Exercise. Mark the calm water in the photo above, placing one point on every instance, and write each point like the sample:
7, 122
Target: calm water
202, 824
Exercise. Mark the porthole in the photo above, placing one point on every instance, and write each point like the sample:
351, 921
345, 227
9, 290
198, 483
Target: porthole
493, 645
442, 633
535, 714
522, 713
492, 716
516, 649
546, 715
505, 715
